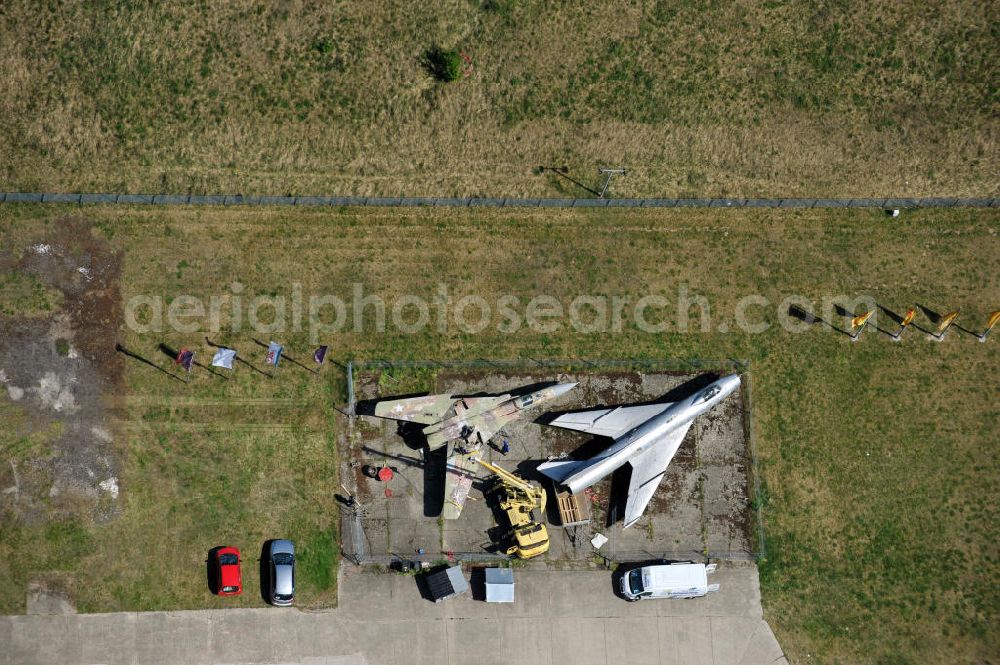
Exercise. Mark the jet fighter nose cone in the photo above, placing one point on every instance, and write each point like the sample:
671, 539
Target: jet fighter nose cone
562, 388
731, 382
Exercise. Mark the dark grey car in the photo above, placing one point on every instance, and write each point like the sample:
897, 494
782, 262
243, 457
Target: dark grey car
282, 559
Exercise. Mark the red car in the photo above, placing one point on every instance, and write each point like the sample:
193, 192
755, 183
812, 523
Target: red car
229, 581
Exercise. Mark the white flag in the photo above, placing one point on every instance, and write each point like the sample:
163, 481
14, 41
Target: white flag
224, 358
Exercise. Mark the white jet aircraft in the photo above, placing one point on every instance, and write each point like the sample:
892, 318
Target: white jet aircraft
647, 437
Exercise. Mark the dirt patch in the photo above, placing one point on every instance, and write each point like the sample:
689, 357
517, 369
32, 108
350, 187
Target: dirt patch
59, 374
51, 594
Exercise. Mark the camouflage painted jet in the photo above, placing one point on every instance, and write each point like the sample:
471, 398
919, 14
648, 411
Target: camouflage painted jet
472, 420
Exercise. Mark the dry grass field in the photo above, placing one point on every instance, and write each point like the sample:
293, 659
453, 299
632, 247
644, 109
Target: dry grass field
879, 459
735, 98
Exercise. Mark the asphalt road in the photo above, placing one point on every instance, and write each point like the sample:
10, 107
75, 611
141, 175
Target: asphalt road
558, 617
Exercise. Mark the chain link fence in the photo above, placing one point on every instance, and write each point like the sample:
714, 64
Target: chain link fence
357, 548
473, 202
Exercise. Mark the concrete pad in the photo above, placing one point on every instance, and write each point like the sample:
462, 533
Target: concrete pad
763, 648
284, 632
45, 639
418, 642
562, 617
243, 636
174, 637
731, 636
666, 634
324, 634
6, 631
474, 640
373, 640
579, 642
675, 520
351, 659
693, 637
108, 638
632, 640
519, 637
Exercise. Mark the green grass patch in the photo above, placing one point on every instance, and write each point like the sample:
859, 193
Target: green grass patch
875, 457
695, 99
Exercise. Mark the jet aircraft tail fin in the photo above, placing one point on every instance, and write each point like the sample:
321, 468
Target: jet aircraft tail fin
560, 470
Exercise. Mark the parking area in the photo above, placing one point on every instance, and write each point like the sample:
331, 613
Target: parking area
702, 506
558, 617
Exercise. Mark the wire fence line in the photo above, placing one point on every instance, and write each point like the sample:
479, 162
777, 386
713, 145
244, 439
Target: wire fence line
502, 202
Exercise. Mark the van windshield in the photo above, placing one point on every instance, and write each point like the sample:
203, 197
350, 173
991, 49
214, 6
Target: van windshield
635, 581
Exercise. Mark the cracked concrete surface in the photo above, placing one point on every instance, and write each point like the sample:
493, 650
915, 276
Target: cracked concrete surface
557, 617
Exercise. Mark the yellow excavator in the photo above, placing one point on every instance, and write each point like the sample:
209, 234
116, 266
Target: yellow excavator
527, 538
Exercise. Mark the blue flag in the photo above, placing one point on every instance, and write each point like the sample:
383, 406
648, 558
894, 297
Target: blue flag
273, 353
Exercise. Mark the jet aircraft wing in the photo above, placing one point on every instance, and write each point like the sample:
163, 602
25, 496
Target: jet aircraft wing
648, 468
609, 422
460, 472
473, 406
427, 409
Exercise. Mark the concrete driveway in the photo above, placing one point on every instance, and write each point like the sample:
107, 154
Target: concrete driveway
558, 617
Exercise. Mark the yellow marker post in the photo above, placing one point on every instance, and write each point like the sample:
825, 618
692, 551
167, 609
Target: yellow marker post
907, 320
858, 324
990, 322
945, 323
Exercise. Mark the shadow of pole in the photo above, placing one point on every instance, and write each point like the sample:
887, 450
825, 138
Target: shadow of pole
131, 354
967, 331
808, 317
564, 173
891, 314
929, 313
238, 359
171, 353
288, 358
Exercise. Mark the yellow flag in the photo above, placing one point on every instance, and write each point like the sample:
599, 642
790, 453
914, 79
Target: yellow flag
859, 321
908, 319
945, 322
992, 321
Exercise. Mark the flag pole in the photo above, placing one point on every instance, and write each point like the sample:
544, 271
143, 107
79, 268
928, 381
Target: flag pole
945, 325
907, 320
860, 323
990, 323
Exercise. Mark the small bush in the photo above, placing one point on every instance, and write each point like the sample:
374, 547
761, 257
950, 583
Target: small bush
324, 45
443, 65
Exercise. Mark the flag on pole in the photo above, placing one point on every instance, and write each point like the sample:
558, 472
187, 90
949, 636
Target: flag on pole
945, 323
319, 355
224, 358
858, 324
990, 322
273, 353
907, 320
859, 321
185, 359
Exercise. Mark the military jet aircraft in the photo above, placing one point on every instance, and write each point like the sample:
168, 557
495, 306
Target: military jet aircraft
647, 437
470, 422
473, 420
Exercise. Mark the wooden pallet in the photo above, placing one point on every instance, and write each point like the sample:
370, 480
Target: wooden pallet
572, 511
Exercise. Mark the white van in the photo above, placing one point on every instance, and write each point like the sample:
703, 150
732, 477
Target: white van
668, 580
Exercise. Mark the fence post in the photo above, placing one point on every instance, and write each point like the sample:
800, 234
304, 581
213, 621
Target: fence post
350, 388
